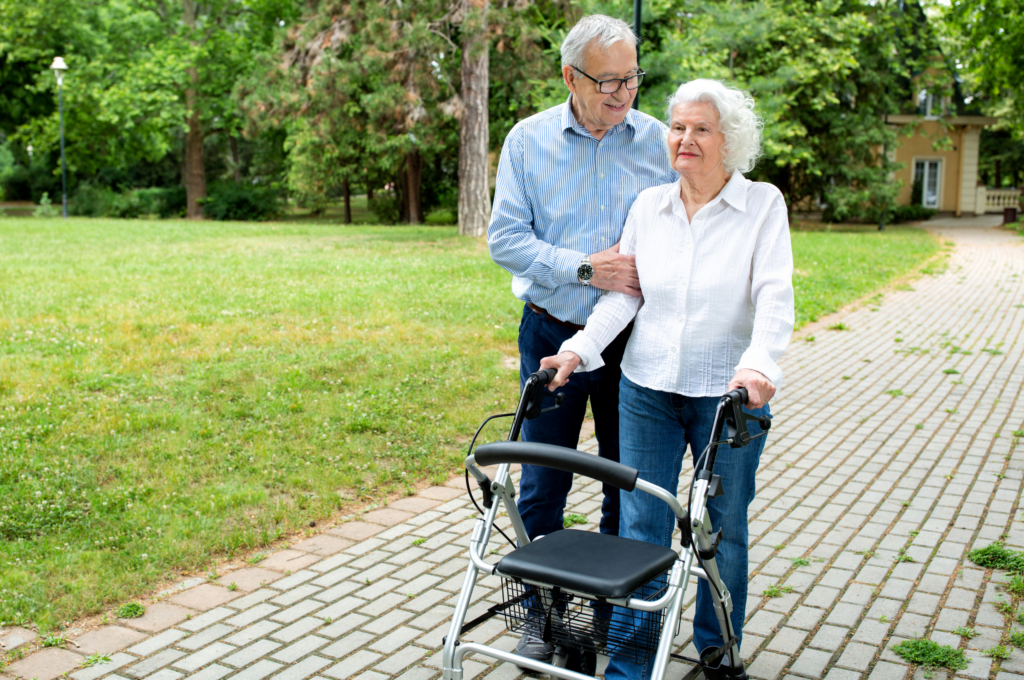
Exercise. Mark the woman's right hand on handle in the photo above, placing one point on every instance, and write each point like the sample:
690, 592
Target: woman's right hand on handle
565, 363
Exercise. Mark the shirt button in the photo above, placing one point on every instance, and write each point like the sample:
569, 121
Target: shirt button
673, 350
602, 207
603, 239
602, 175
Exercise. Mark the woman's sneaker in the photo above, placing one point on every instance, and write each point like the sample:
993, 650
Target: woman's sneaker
532, 647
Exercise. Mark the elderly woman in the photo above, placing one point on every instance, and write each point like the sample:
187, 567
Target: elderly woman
715, 267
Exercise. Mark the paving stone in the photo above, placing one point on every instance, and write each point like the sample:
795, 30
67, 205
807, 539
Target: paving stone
253, 598
303, 669
197, 623
811, 663
117, 660
787, 640
306, 645
289, 560
254, 632
211, 634
768, 666
206, 596
46, 664
166, 674
397, 662
323, 545
441, 493
252, 615
356, 531
247, 655
213, 672
14, 637
159, 616
415, 504
107, 640
259, 670
347, 645
250, 578
154, 663
299, 577
388, 516
203, 657
353, 664
157, 642
857, 656
885, 670
829, 638
297, 611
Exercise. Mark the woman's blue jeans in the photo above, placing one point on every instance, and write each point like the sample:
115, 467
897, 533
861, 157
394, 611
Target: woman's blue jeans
655, 429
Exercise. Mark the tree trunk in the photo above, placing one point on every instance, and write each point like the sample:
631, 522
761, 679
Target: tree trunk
195, 163
369, 192
999, 176
348, 201
236, 158
474, 191
413, 182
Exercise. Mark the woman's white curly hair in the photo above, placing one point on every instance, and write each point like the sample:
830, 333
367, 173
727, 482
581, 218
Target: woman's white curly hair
737, 119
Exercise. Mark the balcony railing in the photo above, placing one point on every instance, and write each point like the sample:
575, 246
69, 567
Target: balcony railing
994, 200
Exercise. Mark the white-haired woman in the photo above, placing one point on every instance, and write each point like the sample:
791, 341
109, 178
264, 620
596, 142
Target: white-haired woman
715, 267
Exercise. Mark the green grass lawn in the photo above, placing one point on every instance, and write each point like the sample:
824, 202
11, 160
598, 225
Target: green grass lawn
172, 391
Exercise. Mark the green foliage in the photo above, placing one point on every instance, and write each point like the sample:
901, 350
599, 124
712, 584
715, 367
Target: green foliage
54, 640
130, 610
241, 201
996, 556
96, 659
776, 590
1016, 638
929, 653
914, 212
573, 519
46, 208
385, 207
968, 633
998, 652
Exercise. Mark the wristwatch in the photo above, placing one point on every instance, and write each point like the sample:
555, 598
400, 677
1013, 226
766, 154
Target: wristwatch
585, 272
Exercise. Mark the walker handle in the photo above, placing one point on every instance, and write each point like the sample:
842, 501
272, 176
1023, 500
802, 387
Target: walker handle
559, 458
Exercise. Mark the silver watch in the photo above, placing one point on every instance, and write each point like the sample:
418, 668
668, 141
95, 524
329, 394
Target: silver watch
585, 272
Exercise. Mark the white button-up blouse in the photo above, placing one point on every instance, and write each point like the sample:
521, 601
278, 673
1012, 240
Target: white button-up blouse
717, 292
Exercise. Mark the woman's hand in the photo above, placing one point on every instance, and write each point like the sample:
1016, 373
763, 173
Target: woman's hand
759, 388
565, 363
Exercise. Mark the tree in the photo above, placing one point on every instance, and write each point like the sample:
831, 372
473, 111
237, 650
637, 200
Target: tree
474, 189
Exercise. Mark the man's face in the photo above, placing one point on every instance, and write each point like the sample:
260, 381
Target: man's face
596, 110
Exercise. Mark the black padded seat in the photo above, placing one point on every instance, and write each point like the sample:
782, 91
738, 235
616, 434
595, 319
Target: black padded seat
586, 562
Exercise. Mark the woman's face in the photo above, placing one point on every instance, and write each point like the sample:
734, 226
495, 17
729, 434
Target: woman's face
695, 140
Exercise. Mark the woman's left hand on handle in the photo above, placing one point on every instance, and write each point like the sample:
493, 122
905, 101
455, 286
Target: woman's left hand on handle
565, 363
759, 388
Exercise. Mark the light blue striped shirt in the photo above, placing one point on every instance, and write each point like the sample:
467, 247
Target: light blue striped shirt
561, 194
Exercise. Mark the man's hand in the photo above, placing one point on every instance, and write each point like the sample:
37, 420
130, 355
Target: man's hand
615, 272
565, 363
759, 388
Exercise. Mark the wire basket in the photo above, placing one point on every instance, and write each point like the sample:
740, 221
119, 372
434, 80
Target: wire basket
580, 623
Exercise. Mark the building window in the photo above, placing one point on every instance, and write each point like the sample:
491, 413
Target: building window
926, 176
930, 104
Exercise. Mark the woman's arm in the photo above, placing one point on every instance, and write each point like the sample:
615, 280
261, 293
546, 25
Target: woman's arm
611, 314
771, 293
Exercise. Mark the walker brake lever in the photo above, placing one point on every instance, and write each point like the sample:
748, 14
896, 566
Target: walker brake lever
736, 422
559, 400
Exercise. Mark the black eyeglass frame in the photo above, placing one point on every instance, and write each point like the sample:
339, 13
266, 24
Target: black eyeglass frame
639, 75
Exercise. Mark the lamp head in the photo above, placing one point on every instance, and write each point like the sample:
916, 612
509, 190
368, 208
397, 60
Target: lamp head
58, 66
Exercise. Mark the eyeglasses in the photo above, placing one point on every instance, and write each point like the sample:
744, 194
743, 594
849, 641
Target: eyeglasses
612, 85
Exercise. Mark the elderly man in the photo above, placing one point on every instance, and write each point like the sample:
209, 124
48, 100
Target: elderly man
566, 180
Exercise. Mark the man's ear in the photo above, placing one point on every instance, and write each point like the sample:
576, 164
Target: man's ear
569, 76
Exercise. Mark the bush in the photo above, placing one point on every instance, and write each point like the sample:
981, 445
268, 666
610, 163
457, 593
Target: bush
46, 207
241, 201
915, 212
91, 200
385, 208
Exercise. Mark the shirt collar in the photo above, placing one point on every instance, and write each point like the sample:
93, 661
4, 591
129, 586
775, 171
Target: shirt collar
734, 193
569, 121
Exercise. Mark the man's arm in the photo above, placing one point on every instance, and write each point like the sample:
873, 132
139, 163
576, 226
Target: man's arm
514, 244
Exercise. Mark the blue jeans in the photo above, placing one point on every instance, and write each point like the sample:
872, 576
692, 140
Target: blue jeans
543, 491
655, 429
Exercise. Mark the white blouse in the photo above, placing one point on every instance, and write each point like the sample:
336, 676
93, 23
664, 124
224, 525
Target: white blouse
717, 292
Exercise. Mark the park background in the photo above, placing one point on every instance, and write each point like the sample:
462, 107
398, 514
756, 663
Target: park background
173, 392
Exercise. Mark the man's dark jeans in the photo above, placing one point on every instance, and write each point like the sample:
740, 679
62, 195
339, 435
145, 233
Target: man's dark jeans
543, 491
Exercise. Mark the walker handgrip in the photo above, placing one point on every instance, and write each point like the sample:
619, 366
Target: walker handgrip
741, 393
559, 458
546, 375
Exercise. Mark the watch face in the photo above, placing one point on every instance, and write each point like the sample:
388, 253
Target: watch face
585, 272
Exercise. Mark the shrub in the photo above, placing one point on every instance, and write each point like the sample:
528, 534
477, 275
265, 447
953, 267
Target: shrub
914, 212
995, 556
241, 201
46, 207
126, 204
130, 610
91, 200
385, 208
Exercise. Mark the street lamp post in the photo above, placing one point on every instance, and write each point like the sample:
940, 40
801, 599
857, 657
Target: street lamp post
59, 67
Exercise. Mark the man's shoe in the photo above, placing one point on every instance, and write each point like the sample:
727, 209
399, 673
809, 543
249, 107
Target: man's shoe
595, 635
532, 647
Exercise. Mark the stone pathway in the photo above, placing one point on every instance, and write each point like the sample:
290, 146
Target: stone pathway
893, 455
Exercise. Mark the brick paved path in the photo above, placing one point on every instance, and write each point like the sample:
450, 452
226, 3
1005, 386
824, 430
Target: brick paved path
893, 438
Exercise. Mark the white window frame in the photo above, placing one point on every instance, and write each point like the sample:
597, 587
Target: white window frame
938, 183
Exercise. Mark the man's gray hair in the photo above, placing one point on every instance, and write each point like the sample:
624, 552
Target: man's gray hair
604, 29
737, 119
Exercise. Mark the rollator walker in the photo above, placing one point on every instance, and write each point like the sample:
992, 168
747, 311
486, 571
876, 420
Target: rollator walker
562, 587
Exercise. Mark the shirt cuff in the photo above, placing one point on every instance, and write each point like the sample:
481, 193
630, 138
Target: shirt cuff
581, 346
758, 359
566, 265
